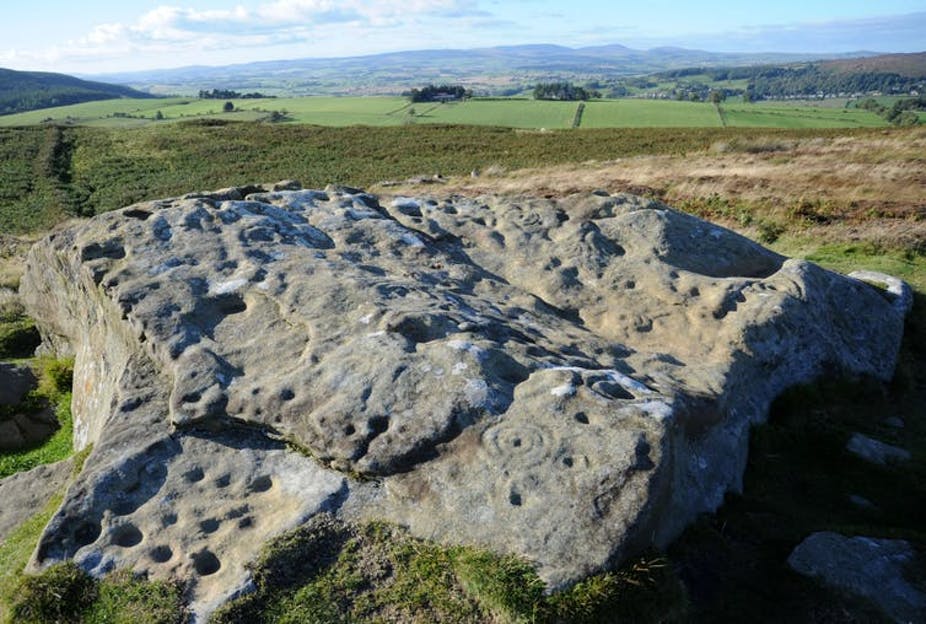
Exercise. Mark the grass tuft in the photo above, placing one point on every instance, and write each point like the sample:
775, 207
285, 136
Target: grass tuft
16, 550
124, 598
329, 571
60, 594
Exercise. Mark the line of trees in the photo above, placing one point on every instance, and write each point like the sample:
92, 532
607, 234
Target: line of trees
563, 91
442, 93
228, 94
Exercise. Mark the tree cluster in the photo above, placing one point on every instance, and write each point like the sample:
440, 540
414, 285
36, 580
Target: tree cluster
902, 113
810, 80
228, 94
563, 91
440, 93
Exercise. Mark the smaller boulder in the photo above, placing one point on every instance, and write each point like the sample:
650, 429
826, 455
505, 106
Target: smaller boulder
864, 566
25, 493
15, 383
875, 451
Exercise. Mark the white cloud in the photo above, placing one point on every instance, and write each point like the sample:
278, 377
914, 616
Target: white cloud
168, 33
288, 11
104, 34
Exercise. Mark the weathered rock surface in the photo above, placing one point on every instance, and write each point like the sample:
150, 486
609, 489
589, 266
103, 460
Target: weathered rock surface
24, 494
566, 380
872, 568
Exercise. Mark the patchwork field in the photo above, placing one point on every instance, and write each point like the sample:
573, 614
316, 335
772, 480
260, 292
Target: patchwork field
511, 113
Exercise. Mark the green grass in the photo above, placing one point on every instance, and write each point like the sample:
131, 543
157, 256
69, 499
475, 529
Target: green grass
93, 110
508, 113
63, 593
337, 111
843, 258
122, 598
16, 550
328, 571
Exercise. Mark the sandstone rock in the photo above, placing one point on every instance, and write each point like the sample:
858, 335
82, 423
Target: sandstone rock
875, 451
570, 380
871, 568
25, 494
15, 382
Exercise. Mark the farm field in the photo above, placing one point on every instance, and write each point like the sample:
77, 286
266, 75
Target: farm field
634, 113
791, 115
511, 113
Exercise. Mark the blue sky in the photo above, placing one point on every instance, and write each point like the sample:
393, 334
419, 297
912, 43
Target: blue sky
121, 35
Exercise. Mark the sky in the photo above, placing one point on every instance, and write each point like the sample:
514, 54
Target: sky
104, 36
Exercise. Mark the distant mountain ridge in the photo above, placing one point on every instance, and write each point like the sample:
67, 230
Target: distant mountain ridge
24, 91
494, 70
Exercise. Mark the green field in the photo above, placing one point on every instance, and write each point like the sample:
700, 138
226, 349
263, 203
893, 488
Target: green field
793, 115
510, 113
633, 113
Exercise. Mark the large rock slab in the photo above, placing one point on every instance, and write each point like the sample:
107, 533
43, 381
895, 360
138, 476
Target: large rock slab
571, 381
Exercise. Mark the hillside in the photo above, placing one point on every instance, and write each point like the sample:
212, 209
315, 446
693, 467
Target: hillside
891, 74
907, 65
25, 91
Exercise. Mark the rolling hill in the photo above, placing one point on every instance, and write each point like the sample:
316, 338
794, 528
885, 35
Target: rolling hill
25, 91
906, 65
499, 70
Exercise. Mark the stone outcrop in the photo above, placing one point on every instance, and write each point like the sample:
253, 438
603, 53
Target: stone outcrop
869, 567
570, 381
